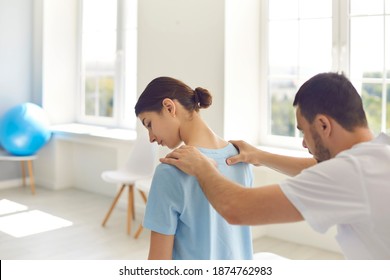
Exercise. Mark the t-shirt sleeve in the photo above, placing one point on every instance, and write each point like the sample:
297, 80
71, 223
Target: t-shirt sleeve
329, 193
164, 201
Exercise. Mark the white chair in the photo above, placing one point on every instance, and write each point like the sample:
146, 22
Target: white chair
139, 166
143, 186
4, 156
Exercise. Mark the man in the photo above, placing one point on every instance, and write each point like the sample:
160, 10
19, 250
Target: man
347, 184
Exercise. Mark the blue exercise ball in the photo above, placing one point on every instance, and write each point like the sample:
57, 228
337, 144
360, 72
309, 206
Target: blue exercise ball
24, 129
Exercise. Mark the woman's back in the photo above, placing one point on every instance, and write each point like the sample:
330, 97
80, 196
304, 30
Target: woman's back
177, 206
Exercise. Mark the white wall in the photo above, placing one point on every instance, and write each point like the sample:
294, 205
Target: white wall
242, 68
15, 52
59, 58
185, 40
15, 66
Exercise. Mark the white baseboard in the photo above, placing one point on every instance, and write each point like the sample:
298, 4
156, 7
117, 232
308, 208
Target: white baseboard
6, 184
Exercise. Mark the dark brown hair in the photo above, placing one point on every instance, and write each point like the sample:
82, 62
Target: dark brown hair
334, 95
166, 87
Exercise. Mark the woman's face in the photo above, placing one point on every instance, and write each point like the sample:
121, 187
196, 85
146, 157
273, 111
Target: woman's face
163, 127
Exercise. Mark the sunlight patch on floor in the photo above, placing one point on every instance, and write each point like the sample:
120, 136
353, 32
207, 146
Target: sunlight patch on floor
8, 207
31, 222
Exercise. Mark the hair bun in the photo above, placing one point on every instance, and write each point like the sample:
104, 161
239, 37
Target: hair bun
203, 97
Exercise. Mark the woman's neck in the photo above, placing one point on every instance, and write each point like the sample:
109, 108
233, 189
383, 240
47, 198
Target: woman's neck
195, 132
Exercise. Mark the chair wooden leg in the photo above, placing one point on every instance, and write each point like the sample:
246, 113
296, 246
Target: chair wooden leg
140, 228
31, 174
143, 195
23, 173
130, 208
113, 205
132, 202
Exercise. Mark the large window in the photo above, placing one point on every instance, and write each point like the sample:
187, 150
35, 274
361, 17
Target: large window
370, 59
306, 37
108, 62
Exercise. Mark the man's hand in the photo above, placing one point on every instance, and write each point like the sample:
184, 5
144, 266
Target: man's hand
189, 160
246, 153
288, 165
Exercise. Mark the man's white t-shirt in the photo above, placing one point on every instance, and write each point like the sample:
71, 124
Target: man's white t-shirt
351, 191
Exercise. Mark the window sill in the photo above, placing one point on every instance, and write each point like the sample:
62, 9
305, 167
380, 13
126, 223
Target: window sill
285, 151
93, 134
83, 133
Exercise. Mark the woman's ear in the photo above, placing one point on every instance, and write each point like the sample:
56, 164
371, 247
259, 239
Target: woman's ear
169, 105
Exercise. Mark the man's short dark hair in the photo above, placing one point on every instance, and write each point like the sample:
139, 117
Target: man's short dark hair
333, 95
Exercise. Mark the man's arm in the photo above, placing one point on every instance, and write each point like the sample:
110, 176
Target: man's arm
161, 246
285, 164
238, 205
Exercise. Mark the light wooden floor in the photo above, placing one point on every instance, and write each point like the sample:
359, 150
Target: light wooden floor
86, 239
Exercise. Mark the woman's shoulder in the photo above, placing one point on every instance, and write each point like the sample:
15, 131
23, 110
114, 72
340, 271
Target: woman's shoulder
169, 179
167, 169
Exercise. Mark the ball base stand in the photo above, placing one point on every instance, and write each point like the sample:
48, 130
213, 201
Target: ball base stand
4, 156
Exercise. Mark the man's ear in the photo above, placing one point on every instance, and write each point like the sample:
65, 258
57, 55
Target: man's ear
169, 105
323, 124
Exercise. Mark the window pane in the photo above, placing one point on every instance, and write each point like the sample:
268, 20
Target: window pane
99, 15
90, 96
106, 96
367, 46
282, 112
315, 45
300, 46
99, 46
388, 109
387, 44
372, 101
283, 60
315, 9
369, 53
99, 89
283, 9
99, 96
364, 7
99, 39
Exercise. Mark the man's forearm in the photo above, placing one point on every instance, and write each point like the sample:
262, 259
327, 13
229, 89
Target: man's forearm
246, 206
285, 164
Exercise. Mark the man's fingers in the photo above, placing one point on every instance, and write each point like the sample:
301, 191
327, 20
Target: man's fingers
168, 160
233, 160
175, 153
237, 158
238, 144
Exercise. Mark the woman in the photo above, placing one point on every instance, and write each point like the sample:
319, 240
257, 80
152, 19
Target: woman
182, 222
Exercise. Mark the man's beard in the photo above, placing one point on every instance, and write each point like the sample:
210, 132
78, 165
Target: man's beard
321, 153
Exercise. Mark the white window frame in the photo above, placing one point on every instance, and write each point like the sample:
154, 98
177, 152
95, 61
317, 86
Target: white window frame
125, 71
340, 63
